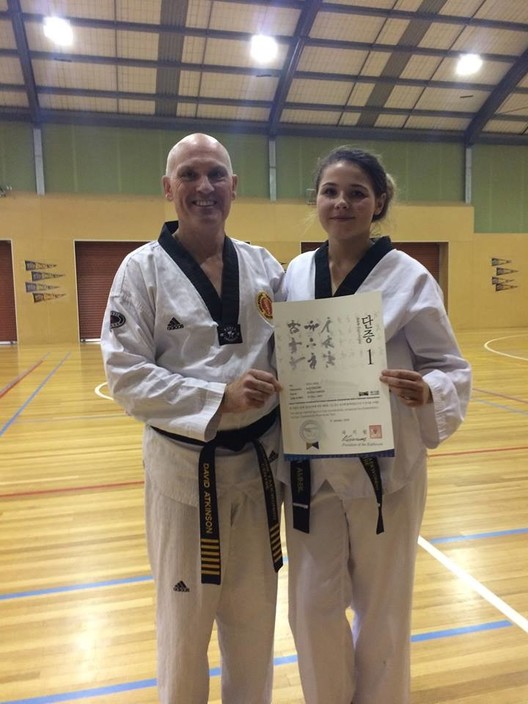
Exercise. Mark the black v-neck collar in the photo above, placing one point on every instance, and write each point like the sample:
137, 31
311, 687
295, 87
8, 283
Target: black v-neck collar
354, 278
224, 310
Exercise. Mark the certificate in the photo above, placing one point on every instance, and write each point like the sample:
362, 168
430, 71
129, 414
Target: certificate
330, 353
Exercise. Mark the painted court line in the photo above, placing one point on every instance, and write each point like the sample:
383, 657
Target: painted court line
216, 671
32, 396
494, 393
487, 346
119, 485
19, 378
480, 536
148, 578
71, 489
504, 608
478, 452
99, 393
16, 482
76, 587
463, 630
85, 693
493, 404
69, 418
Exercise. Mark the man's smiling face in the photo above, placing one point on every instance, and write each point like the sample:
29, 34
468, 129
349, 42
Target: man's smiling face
201, 184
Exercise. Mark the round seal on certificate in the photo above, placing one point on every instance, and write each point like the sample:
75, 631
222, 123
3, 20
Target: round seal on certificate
310, 432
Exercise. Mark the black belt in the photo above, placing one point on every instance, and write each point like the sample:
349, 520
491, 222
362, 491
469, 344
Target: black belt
300, 475
234, 440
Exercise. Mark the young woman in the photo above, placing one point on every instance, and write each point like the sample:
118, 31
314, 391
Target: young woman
344, 561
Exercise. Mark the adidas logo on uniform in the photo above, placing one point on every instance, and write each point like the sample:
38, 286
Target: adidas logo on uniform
174, 324
181, 586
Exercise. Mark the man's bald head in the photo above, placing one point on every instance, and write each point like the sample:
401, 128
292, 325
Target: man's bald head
197, 143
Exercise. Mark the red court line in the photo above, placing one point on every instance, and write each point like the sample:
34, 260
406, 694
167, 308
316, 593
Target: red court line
478, 452
124, 485
70, 489
20, 377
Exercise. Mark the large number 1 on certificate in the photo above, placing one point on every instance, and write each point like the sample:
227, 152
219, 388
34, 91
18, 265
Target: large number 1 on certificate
330, 353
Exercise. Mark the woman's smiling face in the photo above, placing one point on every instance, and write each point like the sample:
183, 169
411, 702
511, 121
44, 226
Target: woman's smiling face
346, 202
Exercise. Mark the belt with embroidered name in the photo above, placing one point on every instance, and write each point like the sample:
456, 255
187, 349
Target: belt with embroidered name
300, 476
233, 440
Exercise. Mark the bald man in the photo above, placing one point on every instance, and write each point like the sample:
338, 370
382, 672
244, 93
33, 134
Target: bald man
187, 349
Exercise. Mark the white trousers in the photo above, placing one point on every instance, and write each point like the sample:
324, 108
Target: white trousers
342, 563
243, 605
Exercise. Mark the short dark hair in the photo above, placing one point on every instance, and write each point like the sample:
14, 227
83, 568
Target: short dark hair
382, 182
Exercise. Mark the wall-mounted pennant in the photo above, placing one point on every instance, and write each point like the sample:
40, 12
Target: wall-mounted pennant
504, 287
31, 266
30, 288
39, 275
501, 272
40, 297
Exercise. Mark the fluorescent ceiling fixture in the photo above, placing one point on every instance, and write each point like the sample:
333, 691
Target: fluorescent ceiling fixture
468, 64
263, 49
58, 30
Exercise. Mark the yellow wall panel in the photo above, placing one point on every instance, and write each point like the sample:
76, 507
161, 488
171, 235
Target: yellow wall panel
43, 230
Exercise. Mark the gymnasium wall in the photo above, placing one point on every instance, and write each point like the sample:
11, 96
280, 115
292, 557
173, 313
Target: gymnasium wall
105, 185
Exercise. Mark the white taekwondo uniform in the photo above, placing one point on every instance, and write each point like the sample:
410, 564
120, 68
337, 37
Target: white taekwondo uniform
167, 366
342, 562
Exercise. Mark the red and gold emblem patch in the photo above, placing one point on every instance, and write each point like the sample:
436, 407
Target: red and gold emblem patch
265, 305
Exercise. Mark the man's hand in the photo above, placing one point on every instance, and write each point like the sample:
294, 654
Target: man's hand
408, 386
251, 390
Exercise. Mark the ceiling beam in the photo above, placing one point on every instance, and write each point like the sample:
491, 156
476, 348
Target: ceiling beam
251, 71
300, 35
396, 64
249, 127
402, 49
333, 8
281, 39
245, 37
497, 96
256, 104
263, 104
170, 47
143, 63
15, 15
393, 14
411, 15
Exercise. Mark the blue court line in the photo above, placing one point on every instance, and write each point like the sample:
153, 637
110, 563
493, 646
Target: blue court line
479, 536
450, 632
215, 671
148, 578
81, 587
75, 588
28, 401
501, 406
85, 693
282, 660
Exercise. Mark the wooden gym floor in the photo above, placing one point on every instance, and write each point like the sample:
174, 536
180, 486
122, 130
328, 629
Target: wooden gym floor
76, 596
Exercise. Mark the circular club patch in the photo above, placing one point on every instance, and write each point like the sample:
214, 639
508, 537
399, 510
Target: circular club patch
117, 320
265, 305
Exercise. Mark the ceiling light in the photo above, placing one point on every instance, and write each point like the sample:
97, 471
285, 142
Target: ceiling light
263, 49
58, 30
468, 64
